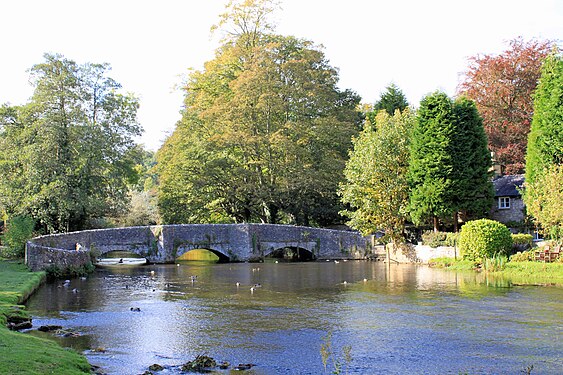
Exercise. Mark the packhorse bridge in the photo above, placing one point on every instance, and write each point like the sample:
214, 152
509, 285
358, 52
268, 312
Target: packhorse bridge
166, 243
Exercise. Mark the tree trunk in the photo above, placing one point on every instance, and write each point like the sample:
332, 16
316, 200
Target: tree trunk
436, 224
456, 218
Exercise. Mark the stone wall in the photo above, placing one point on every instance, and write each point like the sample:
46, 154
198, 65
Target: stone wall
419, 253
515, 213
426, 253
39, 258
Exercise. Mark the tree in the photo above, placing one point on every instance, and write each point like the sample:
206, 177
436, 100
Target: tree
449, 162
545, 141
376, 185
544, 157
543, 198
502, 87
263, 137
65, 153
431, 164
391, 100
264, 133
472, 192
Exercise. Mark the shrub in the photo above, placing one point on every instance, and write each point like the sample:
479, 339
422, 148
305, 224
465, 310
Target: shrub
523, 256
18, 231
521, 242
484, 238
435, 239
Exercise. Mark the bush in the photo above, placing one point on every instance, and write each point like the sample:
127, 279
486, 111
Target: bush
521, 242
523, 256
18, 231
484, 238
435, 239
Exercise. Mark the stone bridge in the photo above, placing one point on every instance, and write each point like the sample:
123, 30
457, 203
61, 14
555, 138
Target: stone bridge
165, 243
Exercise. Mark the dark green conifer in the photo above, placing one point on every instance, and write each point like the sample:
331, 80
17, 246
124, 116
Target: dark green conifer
431, 163
391, 100
449, 162
545, 141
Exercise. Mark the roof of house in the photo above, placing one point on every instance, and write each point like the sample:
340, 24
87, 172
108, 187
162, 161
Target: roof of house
509, 185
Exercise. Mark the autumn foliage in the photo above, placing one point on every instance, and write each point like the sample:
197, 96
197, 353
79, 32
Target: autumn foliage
502, 87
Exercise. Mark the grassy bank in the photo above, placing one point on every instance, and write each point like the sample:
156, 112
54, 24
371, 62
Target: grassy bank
532, 273
25, 354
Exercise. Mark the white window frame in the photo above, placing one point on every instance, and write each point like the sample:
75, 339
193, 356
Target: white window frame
503, 203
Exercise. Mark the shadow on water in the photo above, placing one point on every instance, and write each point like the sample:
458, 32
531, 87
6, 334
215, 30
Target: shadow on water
398, 319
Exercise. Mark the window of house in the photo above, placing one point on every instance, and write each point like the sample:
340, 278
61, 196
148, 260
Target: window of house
504, 202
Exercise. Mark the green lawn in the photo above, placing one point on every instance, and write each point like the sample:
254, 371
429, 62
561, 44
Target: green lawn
533, 272
25, 354
515, 272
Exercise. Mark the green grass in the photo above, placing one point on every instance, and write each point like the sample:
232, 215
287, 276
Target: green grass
531, 273
21, 353
452, 264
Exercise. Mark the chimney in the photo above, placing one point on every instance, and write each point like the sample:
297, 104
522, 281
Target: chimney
497, 168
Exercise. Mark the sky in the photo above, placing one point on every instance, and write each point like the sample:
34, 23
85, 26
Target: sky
419, 45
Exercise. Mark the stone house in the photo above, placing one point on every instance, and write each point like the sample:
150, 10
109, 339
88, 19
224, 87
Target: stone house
508, 205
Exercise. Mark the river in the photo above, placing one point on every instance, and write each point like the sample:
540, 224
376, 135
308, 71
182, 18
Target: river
398, 319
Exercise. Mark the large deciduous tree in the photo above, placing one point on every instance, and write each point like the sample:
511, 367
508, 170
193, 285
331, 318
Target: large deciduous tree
64, 157
376, 185
264, 133
449, 162
502, 86
544, 156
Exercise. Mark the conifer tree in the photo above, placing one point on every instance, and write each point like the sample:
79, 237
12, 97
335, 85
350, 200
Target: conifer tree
473, 190
391, 100
431, 163
545, 141
449, 161
544, 157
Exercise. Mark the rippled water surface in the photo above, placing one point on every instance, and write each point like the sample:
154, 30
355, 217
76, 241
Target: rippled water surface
401, 319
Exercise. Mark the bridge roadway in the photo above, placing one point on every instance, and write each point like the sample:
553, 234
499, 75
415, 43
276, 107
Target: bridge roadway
165, 243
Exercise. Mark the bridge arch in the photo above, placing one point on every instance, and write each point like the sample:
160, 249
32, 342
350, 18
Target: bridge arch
291, 254
120, 257
203, 254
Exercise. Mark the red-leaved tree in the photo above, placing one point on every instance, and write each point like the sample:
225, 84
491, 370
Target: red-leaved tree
502, 86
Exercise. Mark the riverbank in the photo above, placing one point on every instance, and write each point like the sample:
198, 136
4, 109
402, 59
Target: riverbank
25, 354
521, 273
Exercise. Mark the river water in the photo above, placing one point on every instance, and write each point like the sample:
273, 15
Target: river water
398, 319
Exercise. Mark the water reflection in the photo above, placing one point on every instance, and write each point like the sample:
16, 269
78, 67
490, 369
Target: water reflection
398, 319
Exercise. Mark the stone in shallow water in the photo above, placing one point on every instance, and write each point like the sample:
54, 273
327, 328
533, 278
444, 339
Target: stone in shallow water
200, 363
156, 367
49, 328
